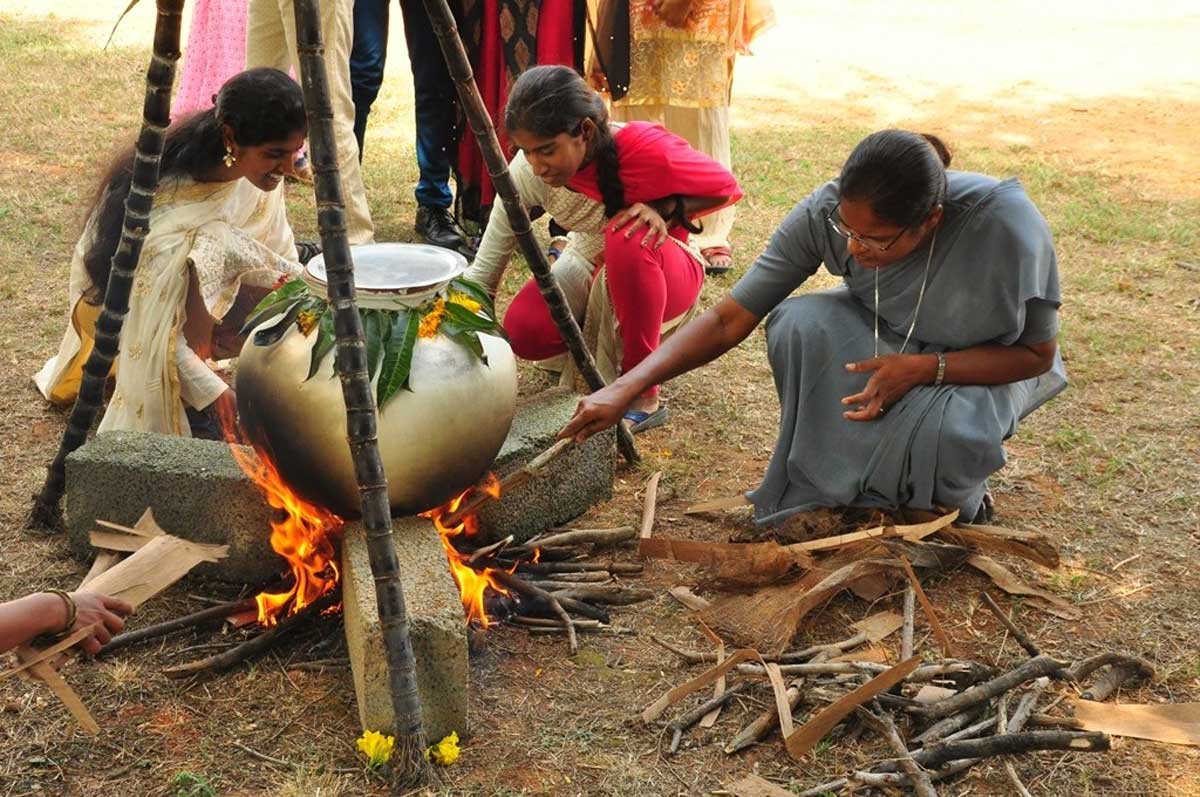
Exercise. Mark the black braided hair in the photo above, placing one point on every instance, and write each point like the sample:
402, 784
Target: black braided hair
549, 100
260, 105
900, 174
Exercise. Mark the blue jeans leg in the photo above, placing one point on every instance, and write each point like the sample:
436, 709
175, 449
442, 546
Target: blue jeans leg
436, 104
367, 59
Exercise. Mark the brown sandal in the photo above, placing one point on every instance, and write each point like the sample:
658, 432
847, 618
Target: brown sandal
720, 260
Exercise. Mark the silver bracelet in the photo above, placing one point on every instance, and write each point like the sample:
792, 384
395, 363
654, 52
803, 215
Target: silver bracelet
941, 369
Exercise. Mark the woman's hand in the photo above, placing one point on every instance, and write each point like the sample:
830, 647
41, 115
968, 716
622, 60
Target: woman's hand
892, 376
597, 411
105, 616
639, 215
673, 12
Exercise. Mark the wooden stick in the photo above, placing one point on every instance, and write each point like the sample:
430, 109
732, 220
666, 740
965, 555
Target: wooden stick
1011, 744
1113, 679
547, 622
218, 612
766, 721
555, 568
732, 502
1016, 633
926, 607
946, 728
525, 588
690, 718
906, 633
509, 483
558, 584
883, 725
1034, 668
607, 595
1002, 728
1085, 667
598, 537
489, 550
833, 648
256, 646
29, 656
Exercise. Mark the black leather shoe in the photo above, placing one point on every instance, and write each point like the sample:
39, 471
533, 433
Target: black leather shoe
438, 227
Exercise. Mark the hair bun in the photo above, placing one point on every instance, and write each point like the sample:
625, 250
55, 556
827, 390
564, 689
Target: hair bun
939, 147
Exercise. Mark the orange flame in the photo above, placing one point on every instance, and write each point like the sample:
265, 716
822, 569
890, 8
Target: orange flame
304, 536
471, 583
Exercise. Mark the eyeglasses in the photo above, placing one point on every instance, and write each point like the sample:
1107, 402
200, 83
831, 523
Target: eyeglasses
850, 235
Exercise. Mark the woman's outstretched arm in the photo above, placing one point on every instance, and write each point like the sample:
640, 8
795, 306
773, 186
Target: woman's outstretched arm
701, 341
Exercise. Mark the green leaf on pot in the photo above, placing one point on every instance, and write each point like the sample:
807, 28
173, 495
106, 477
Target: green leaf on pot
397, 357
272, 334
464, 318
376, 328
465, 337
325, 341
476, 292
276, 301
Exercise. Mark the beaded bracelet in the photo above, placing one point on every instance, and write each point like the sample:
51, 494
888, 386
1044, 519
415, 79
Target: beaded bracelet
941, 369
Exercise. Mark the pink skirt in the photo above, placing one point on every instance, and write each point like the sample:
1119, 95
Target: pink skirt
216, 51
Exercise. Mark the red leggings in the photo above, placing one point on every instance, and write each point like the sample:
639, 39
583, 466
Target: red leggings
647, 286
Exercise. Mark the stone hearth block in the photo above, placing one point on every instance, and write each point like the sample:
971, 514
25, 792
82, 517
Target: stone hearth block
195, 488
436, 627
567, 488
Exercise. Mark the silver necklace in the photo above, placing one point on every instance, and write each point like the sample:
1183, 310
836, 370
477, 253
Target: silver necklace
920, 296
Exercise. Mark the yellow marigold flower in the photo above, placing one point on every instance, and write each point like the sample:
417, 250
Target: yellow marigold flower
463, 300
444, 752
432, 320
376, 747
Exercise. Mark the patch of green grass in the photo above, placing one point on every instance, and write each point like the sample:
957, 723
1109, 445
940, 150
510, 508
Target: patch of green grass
190, 784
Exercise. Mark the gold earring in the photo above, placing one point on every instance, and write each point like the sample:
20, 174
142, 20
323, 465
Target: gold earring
229, 159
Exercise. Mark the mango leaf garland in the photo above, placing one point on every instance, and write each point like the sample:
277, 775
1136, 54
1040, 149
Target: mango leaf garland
476, 292
276, 301
325, 341
397, 356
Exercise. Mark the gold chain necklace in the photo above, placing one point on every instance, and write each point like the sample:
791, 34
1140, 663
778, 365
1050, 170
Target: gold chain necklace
920, 296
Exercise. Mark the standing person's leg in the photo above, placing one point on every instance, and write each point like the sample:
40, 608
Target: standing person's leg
337, 31
435, 101
648, 286
267, 43
707, 130
367, 59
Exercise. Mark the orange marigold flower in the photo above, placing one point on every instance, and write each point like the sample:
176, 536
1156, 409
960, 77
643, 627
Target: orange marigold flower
307, 320
432, 320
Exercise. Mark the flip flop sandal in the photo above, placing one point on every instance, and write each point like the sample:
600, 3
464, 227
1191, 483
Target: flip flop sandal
711, 252
641, 421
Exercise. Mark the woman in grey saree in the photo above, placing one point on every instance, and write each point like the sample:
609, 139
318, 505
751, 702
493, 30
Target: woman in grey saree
899, 387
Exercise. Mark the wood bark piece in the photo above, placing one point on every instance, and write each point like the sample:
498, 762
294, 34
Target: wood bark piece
755, 786
883, 725
155, 566
689, 599
745, 562
30, 656
717, 504
915, 531
1017, 634
710, 718
219, 612
480, 121
45, 672
601, 538
156, 116
104, 561
655, 709
1173, 723
807, 736
1034, 668
408, 760
930, 615
649, 504
1026, 544
116, 541
1010, 583
879, 626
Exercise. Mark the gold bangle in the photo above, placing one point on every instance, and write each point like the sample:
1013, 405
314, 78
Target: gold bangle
72, 609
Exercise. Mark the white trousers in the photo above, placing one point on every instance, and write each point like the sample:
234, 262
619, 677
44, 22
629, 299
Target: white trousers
271, 41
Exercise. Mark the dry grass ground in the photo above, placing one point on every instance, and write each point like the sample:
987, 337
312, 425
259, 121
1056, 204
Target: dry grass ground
1090, 106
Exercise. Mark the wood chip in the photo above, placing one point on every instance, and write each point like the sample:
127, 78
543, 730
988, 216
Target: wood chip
879, 626
806, 737
1026, 544
716, 505
1173, 723
648, 506
1010, 583
689, 599
916, 531
155, 566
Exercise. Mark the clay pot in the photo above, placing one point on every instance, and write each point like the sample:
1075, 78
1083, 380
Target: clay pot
436, 439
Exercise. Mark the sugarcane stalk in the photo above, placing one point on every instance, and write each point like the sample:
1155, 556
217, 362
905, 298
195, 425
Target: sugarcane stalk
156, 117
408, 759
459, 66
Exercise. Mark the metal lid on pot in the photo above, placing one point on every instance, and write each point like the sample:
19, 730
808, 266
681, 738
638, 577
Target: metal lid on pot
390, 276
